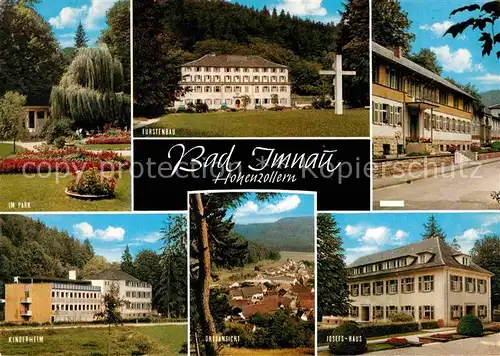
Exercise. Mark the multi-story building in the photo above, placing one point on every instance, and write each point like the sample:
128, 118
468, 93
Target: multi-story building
230, 81
414, 109
136, 294
49, 300
428, 280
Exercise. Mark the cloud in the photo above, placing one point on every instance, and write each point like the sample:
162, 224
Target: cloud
303, 7
351, 230
97, 12
468, 237
400, 235
489, 79
437, 28
90, 16
458, 61
286, 204
376, 235
490, 220
86, 231
150, 238
68, 17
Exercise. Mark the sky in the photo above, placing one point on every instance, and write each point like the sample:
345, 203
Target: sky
365, 234
110, 233
286, 205
460, 57
65, 15
317, 10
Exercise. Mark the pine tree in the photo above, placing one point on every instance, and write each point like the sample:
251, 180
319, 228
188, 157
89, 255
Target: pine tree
455, 244
333, 294
127, 264
432, 229
81, 39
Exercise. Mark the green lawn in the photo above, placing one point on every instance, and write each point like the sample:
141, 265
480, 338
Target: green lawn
173, 336
291, 123
6, 149
47, 194
116, 147
91, 341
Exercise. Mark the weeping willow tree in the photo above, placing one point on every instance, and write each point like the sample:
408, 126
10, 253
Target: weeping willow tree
91, 93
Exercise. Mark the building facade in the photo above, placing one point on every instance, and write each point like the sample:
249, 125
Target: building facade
238, 82
49, 300
137, 294
414, 109
428, 280
36, 117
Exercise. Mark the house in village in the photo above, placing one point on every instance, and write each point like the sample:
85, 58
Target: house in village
428, 280
226, 81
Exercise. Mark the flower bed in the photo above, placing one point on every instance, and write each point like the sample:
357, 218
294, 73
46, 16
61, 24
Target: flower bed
63, 160
92, 184
398, 342
110, 137
493, 328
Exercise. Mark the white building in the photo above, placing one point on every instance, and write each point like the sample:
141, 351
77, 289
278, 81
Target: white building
224, 81
137, 294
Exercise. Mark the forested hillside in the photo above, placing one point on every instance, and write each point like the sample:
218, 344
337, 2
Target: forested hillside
190, 29
491, 97
288, 234
30, 248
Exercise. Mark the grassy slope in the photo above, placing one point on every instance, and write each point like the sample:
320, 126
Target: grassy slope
173, 336
6, 149
85, 341
293, 123
47, 194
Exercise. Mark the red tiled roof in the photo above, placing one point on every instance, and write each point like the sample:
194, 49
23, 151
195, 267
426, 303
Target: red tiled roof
233, 61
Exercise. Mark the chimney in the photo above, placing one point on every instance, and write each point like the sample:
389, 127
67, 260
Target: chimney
398, 51
72, 275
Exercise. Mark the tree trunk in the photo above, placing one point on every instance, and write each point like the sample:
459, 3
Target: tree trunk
14, 145
207, 320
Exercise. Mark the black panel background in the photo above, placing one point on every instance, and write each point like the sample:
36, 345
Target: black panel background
162, 194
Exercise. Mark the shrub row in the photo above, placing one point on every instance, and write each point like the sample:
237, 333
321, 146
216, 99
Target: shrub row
433, 324
375, 330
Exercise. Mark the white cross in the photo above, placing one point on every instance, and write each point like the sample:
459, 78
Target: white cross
338, 73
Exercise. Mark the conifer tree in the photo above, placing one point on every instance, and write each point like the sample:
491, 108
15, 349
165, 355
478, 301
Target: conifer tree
127, 263
81, 39
333, 294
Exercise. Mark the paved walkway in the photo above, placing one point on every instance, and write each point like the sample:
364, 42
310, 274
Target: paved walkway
465, 187
143, 123
487, 345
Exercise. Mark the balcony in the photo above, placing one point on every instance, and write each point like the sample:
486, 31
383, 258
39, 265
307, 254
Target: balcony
27, 314
26, 301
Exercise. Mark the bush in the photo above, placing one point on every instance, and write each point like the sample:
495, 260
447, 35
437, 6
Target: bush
432, 324
201, 108
246, 338
388, 329
496, 145
401, 318
470, 325
92, 182
54, 129
60, 142
347, 339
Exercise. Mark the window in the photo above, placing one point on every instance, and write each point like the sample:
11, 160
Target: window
354, 290
426, 312
456, 312
407, 285
390, 311
408, 309
31, 120
482, 311
228, 78
208, 89
481, 286
283, 89
378, 288
378, 312
207, 78
227, 70
470, 285
40, 115
392, 286
354, 312
217, 89
456, 283
227, 89
385, 114
365, 289
426, 284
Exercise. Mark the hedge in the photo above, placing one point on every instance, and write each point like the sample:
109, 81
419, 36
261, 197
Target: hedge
432, 324
375, 330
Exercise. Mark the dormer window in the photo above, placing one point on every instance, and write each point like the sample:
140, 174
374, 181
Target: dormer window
421, 259
464, 260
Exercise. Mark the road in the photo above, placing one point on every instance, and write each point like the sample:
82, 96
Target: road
487, 345
464, 189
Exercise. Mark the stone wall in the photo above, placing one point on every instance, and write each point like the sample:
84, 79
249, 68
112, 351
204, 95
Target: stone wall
380, 141
390, 167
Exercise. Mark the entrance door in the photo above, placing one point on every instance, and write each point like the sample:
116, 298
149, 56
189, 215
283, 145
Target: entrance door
414, 116
238, 103
365, 313
470, 310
